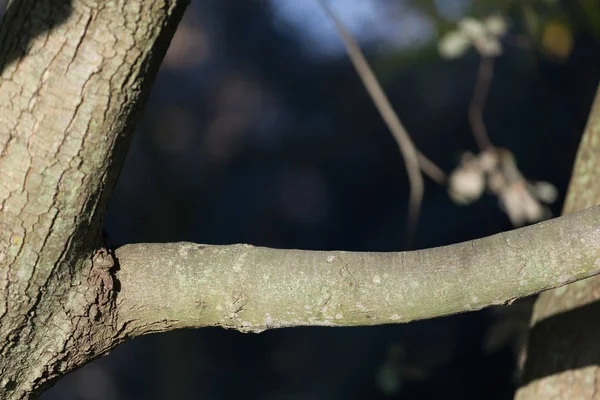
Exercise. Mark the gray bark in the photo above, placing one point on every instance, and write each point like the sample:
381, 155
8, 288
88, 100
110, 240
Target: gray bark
175, 285
74, 76
563, 354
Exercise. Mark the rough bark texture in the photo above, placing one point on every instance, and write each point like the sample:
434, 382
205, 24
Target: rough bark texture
175, 285
74, 75
563, 355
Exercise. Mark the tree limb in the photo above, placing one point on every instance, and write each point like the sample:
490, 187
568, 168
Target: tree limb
251, 289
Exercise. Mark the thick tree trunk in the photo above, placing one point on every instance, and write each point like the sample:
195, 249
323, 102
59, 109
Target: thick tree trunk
563, 354
74, 77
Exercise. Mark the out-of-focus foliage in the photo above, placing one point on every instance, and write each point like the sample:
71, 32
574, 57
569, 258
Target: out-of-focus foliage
545, 27
550, 25
484, 35
496, 170
557, 39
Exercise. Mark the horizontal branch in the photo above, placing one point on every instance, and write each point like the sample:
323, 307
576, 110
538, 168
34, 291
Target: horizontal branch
175, 285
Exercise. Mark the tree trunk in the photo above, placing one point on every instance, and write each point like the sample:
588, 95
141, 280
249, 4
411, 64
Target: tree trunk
563, 354
74, 77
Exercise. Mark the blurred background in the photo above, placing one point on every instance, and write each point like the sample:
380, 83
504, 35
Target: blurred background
259, 131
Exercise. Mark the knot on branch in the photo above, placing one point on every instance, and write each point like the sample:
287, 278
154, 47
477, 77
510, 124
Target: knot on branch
101, 277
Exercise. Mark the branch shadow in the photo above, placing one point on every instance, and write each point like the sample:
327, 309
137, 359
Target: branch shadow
563, 342
31, 18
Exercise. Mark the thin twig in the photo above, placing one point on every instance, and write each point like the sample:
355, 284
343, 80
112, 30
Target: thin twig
482, 88
430, 169
414, 161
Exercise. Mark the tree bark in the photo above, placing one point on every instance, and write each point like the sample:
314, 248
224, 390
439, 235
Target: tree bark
563, 354
251, 289
74, 77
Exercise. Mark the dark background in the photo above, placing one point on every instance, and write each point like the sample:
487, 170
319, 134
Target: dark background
259, 131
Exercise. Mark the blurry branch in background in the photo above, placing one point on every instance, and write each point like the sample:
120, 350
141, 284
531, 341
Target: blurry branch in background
494, 169
482, 88
484, 36
415, 162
